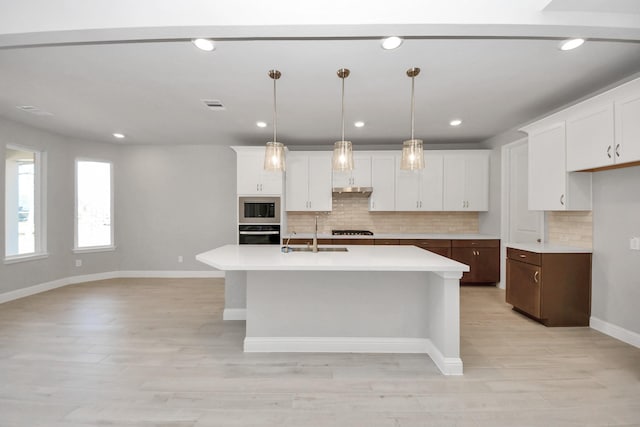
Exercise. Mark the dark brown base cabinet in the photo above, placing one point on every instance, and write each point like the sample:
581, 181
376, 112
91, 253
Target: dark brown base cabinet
482, 257
552, 288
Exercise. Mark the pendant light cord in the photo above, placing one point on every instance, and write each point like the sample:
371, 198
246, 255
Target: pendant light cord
412, 104
342, 109
275, 112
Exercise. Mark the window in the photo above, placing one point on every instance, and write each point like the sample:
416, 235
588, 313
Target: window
24, 219
94, 205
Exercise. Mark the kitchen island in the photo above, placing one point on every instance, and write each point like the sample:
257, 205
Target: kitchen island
371, 299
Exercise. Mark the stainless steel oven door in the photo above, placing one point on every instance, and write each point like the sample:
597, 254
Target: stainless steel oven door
259, 235
259, 210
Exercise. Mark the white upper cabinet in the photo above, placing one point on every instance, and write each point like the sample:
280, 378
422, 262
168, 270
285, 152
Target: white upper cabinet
252, 179
604, 131
308, 184
420, 190
590, 137
383, 181
627, 122
551, 187
466, 181
360, 176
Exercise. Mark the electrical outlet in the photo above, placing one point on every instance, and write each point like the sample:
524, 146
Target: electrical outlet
634, 243
78, 263
180, 259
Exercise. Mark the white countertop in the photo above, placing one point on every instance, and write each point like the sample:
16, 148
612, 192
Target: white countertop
358, 258
397, 236
545, 248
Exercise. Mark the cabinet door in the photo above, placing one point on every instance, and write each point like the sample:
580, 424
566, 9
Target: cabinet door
454, 183
547, 174
383, 181
407, 189
465, 256
250, 166
486, 268
590, 142
476, 182
271, 181
297, 186
361, 174
319, 178
627, 144
431, 183
523, 286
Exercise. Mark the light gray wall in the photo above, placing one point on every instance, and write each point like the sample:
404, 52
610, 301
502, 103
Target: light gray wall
616, 269
176, 200
61, 153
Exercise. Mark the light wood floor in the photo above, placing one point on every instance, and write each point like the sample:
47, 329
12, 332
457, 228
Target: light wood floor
155, 352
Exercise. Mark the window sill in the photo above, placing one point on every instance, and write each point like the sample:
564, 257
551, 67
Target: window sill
24, 258
94, 249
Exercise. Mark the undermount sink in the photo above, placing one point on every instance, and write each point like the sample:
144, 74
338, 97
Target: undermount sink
286, 249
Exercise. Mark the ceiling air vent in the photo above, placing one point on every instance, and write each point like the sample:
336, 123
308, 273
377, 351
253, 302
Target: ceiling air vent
34, 110
214, 104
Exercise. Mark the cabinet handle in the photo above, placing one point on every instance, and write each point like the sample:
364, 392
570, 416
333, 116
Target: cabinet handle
522, 256
420, 203
618, 150
536, 276
417, 202
562, 199
609, 151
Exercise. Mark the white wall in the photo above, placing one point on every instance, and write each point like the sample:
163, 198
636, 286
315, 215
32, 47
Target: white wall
61, 153
176, 200
616, 269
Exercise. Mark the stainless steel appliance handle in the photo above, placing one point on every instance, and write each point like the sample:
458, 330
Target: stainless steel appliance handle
260, 233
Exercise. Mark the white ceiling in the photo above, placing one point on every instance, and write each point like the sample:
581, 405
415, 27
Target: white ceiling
152, 91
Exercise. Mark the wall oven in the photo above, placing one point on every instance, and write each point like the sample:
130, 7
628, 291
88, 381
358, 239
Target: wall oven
259, 234
259, 210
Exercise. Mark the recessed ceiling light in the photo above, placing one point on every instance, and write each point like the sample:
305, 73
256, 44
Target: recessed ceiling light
204, 44
261, 124
359, 124
571, 44
391, 43
118, 135
455, 122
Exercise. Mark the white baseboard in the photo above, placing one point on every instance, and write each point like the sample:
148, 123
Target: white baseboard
448, 366
72, 280
234, 314
615, 331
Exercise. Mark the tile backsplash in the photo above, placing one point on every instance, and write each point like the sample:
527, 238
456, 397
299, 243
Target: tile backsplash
351, 211
573, 228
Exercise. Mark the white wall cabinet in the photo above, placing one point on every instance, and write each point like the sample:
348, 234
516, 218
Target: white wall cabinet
590, 137
308, 184
252, 179
420, 190
383, 182
360, 176
627, 124
466, 181
551, 187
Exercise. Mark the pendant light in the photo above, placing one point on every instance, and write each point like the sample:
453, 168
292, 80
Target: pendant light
412, 154
274, 155
343, 150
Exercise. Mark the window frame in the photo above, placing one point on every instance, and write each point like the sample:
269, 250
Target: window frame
101, 248
39, 205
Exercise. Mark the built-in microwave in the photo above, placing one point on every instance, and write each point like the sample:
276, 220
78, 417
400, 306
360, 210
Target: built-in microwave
259, 210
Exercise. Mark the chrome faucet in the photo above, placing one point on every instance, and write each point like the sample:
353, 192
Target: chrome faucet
286, 248
314, 248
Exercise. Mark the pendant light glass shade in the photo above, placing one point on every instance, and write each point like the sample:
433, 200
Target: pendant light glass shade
412, 155
274, 153
274, 156
412, 149
343, 150
342, 156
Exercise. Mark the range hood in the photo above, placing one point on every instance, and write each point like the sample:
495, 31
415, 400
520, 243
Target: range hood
365, 191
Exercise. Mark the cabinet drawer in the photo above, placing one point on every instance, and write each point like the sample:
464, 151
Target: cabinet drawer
479, 243
427, 243
524, 256
386, 242
352, 241
300, 241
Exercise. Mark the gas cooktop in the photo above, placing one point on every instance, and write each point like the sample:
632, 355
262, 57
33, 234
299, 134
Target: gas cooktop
351, 233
